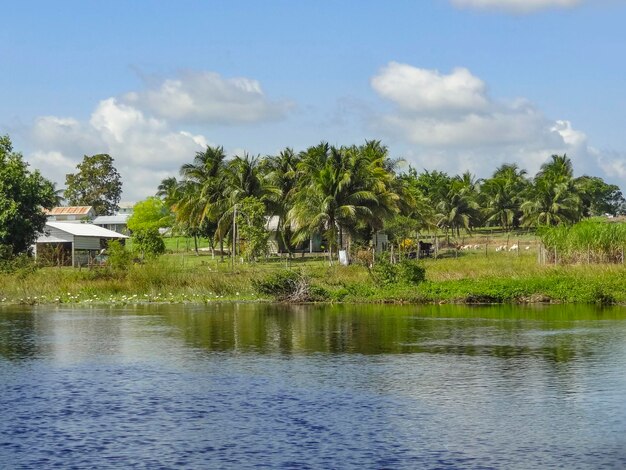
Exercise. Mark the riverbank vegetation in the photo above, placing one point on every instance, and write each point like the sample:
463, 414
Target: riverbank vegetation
468, 278
246, 209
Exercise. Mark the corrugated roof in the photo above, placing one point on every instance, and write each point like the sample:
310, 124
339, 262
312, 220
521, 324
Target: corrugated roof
52, 239
111, 219
68, 210
85, 230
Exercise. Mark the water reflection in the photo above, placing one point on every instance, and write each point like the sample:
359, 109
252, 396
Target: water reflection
243, 386
557, 334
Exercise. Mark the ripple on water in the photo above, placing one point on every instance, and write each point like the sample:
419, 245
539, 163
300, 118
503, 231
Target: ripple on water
463, 395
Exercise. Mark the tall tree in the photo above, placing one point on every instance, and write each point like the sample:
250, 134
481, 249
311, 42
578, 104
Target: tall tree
200, 195
23, 194
97, 183
599, 197
281, 172
341, 188
502, 195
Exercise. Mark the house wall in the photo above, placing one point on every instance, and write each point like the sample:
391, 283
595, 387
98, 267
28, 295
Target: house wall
86, 243
59, 234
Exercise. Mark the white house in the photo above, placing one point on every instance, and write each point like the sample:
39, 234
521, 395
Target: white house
73, 244
118, 223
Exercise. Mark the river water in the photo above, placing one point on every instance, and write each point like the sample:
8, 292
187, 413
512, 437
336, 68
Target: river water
261, 386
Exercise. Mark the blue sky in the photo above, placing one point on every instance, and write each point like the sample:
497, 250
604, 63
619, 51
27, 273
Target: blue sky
446, 84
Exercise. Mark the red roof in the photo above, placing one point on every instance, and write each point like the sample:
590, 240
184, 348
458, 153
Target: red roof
71, 210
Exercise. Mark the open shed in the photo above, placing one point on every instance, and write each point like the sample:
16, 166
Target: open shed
73, 244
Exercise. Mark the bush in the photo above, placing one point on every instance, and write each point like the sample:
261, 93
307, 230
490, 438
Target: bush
21, 265
149, 243
289, 286
406, 272
119, 258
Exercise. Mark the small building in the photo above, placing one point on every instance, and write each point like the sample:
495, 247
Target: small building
125, 208
73, 244
118, 223
74, 214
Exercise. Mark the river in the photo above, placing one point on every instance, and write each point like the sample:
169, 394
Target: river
269, 386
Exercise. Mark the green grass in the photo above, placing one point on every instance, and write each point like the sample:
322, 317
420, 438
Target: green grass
471, 277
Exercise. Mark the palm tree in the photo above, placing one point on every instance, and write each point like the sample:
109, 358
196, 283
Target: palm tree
458, 209
553, 197
341, 188
551, 204
281, 173
242, 179
199, 196
502, 195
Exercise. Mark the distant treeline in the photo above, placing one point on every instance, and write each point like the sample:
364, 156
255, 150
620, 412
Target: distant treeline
357, 190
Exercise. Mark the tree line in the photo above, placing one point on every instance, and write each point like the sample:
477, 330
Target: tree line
354, 191
338, 193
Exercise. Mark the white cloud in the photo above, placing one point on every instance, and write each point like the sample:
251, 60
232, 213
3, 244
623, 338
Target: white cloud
140, 129
449, 122
207, 97
145, 149
420, 90
516, 6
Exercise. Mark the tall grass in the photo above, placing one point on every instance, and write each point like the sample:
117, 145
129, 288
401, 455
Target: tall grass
589, 241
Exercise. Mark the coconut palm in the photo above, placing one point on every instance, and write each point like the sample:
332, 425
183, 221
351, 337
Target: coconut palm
281, 173
200, 194
551, 204
342, 187
553, 197
458, 209
502, 194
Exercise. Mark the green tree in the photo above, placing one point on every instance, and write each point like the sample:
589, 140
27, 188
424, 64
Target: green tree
96, 183
599, 197
342, 188
251, 231
553, 198
150, 213
23, 194
458, 209
281, 172
502, 195
200, 195
148, 242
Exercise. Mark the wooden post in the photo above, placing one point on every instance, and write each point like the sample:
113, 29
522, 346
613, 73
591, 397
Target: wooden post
73, 265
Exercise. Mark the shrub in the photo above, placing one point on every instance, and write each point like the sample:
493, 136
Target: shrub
119, 258
406, 272
289, 286
149, 243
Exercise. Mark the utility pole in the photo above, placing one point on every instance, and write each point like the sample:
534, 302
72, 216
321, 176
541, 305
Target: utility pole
234, 237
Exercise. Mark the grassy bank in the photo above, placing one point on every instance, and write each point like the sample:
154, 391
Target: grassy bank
470, 278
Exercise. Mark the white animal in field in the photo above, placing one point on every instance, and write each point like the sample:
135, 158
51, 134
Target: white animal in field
514, 247
501, 248
477, 247
527, 248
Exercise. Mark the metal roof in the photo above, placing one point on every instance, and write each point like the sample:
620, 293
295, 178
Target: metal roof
85, 230
111, 219
69, 210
